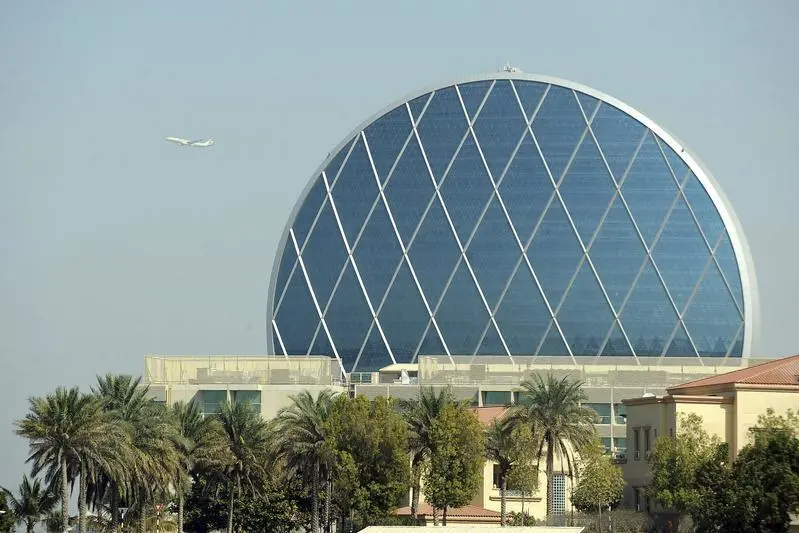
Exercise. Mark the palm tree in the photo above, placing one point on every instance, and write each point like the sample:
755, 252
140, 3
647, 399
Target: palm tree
247, 440
34, 503
202, 443
70, 436
552, 407
419, 413
152, 456
303, 443
499, 449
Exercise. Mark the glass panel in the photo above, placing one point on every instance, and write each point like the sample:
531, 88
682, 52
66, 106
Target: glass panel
606, 444
553, 343
680, 346
386, 136
403, 316
493, 253
492, 344
491, 397
499, 127
462, 315
648, 316
434, 253
522, 316
324, 255
620, 444
725, 255
649, 189
322, 344
620, 414
297, 318
211, 400
355, 191
617, 343
441, 129
348, 317
585, 316
738, 345
588, 103
618, 135
530, 94
473, 94
526, 189
678, 166
554, 253
431, 345
587, 189
602, 411
287, 262
704, 210
375, 354
377, 254
466, 189
617, 253
409, 191
334, 166
276, 343
252, 397
558, 128
417, 106
680, 254
308, 210
712, 318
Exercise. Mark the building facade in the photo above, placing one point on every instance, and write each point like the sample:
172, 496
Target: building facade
511, 215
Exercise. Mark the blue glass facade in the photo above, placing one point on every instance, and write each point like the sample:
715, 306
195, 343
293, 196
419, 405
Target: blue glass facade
506, 217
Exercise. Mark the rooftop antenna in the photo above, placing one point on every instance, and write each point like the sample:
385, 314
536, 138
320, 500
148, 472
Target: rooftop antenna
509, 68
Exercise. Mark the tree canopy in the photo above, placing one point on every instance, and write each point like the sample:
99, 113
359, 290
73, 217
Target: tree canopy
600, 481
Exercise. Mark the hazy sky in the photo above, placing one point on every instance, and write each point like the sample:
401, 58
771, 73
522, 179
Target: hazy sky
115, 244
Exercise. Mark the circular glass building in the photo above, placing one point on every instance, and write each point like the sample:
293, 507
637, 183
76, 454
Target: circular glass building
507, 215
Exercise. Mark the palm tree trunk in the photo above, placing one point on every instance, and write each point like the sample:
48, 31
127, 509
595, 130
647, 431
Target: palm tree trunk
315, 498
503, 490
180, 512
64, 495
232, 486
114, 507
435, 516
416, 472
143, 511
550, 476
82, 498
328, 495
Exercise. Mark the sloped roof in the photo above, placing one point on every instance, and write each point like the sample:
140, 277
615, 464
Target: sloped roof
467, 511
781, 372
488, 414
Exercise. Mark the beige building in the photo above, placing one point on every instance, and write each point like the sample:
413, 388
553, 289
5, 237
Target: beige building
729, 405
612, 385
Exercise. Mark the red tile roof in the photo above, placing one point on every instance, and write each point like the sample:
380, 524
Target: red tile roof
782, 372
467, 511
488, 414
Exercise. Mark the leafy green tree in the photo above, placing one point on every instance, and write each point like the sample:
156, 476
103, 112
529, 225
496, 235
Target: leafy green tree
523, 475
771, 422
303, 443
371, 439
33, 504
456, 461
419, 413
499, 448
248, 440
70, 436
600, 482
674, 462
553, 409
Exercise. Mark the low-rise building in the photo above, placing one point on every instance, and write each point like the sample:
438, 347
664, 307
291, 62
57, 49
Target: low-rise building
729, 405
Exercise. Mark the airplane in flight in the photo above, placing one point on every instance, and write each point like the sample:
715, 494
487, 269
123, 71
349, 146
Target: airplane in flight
186, 142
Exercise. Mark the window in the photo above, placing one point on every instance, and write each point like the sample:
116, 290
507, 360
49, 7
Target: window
496, 398
636, 445
646, 439
606, 443
559, 494
496, 484
620, 444
251, 396
210, 401
602, 409
636, 499
619, 413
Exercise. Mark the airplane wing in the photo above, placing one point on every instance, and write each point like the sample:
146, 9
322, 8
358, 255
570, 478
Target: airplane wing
178, 140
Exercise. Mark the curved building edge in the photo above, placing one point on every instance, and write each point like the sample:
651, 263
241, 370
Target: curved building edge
720, 201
